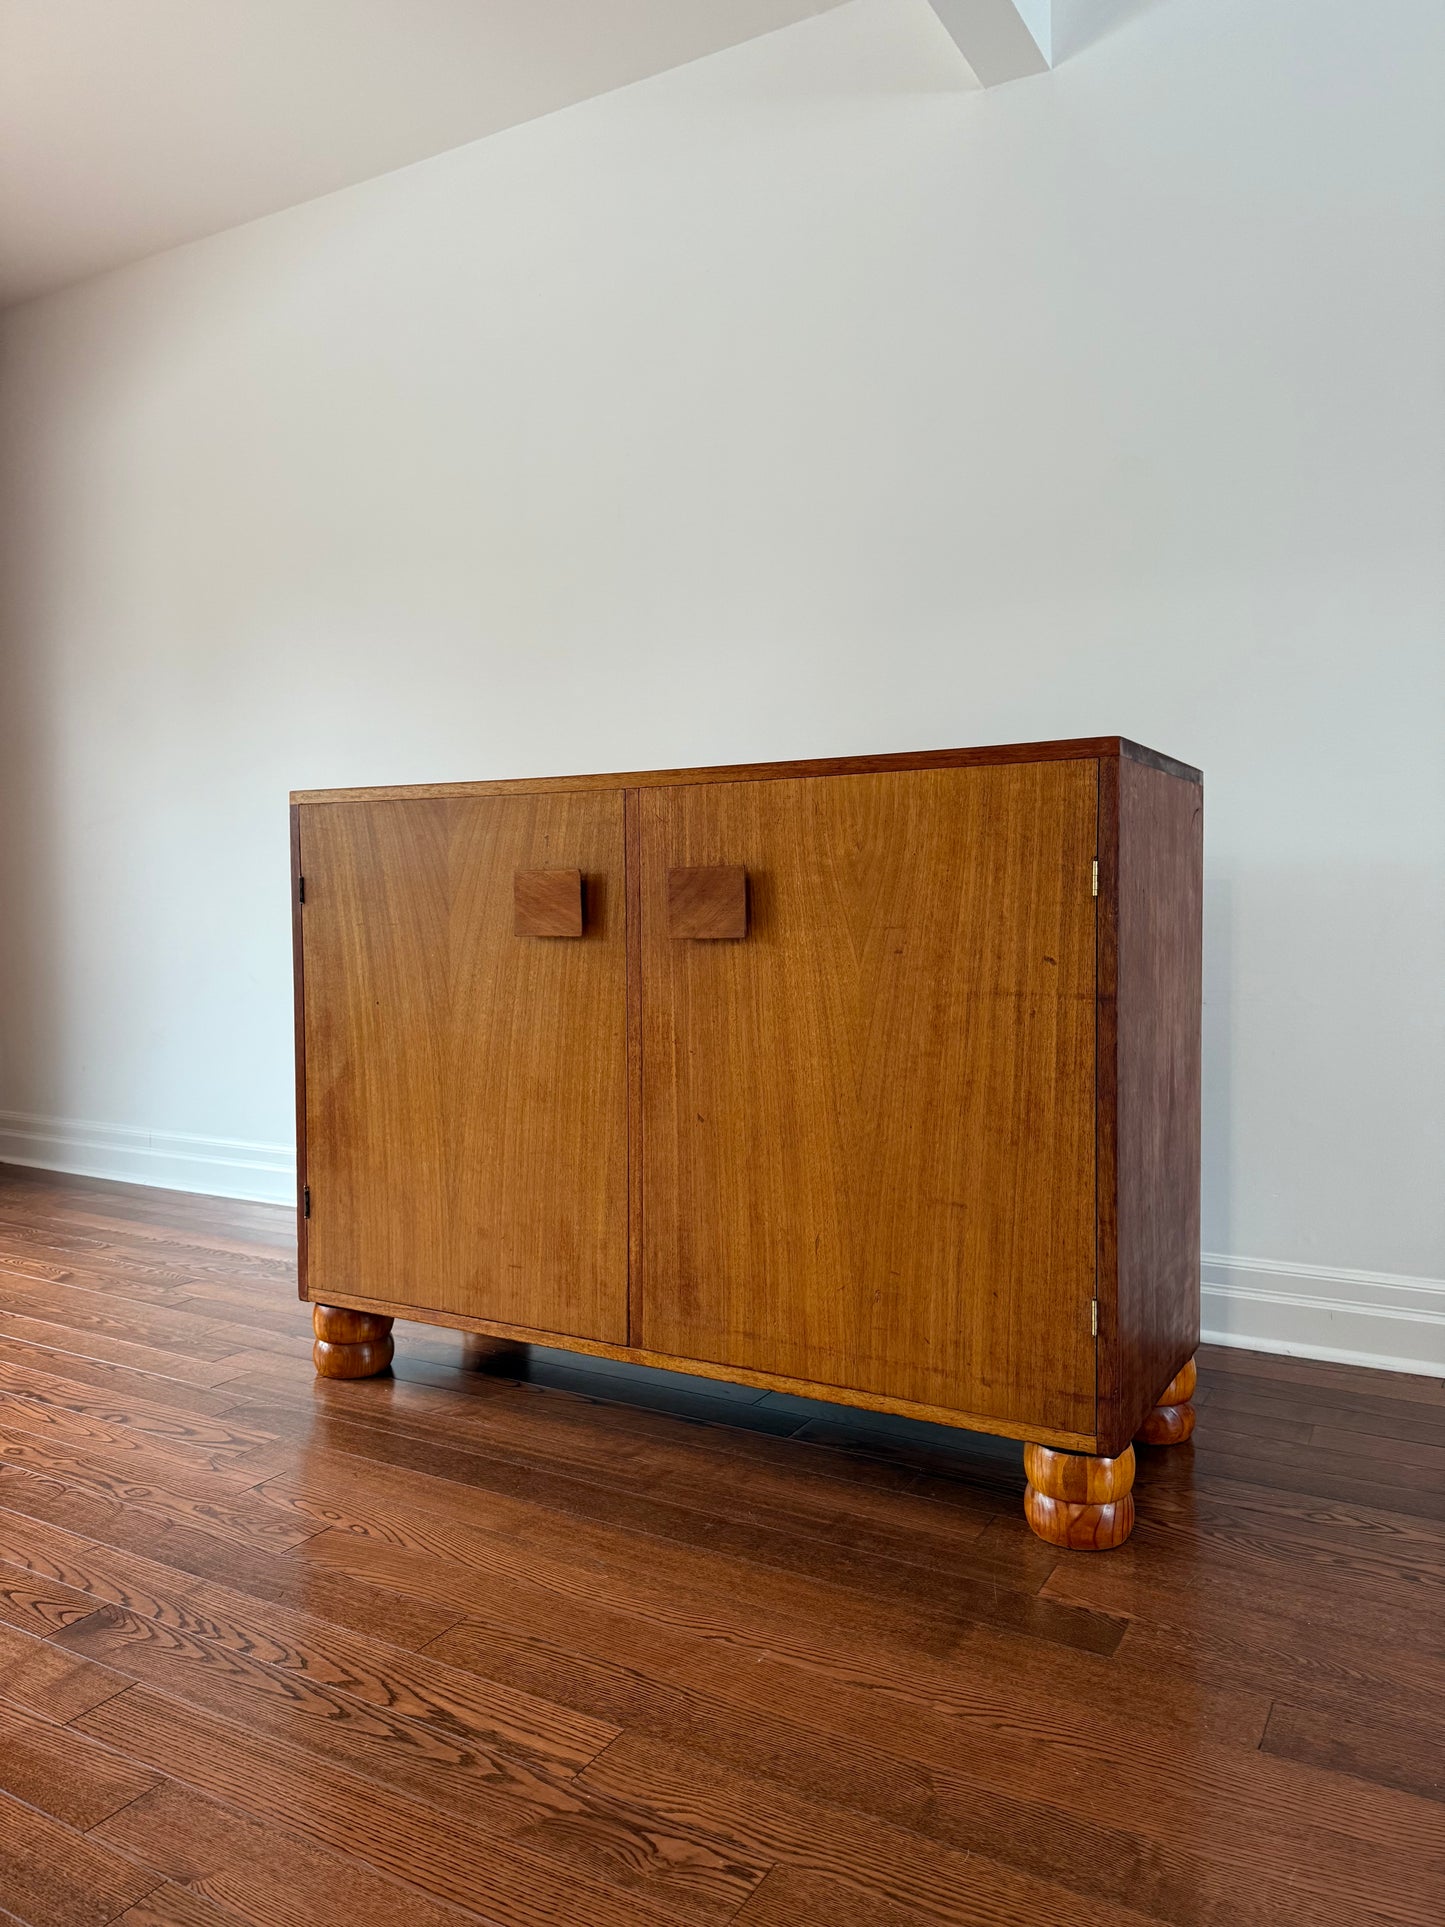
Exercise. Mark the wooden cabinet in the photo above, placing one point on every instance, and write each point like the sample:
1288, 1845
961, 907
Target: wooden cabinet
876, 1080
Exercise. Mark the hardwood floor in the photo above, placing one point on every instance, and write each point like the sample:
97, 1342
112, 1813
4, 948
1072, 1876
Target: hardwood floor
599, 1651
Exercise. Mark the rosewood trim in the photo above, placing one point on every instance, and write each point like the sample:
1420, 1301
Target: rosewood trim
1106, 1097
299, 1005
1078, 749
632, 860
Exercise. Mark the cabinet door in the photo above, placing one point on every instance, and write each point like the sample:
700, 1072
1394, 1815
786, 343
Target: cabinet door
868, 1124
466, 1087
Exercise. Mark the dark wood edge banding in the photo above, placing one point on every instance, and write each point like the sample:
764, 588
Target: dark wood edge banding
1081, 749
299, 1002
1137, 753
632, 887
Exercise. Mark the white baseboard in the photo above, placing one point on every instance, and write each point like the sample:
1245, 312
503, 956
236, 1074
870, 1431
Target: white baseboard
1263, 1304
222, 1167
1374, 1318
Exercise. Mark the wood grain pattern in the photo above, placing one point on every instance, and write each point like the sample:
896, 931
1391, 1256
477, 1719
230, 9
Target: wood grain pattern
683, 1668
632, 832
1150, 950
264, 1870
918, 1409
547, 903
977, 757
350, 1344
1402, 1752
54, 1876
1078, 1501
1078, 1477
708, 902
869, 1129
1172, 1420
172, 1906
467, 1092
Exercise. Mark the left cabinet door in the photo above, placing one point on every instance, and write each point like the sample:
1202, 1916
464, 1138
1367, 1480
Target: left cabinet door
466, 1087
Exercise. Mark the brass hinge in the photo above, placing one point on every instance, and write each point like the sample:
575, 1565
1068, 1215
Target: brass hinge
1096, 876
1094, 1317
306, 1200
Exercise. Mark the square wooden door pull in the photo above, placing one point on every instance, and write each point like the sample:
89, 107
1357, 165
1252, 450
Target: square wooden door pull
710, 902
547, 903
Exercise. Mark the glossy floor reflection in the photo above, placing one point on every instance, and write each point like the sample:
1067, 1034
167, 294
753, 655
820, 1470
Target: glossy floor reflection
612, 1648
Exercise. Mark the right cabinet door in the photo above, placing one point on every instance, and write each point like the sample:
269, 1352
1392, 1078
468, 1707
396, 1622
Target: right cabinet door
868, 1122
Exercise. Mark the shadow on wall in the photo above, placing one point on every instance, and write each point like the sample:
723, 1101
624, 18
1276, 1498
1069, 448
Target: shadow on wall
32, 954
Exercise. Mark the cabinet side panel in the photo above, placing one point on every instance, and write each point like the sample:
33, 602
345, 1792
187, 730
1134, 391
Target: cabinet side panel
1160, 943
299, 999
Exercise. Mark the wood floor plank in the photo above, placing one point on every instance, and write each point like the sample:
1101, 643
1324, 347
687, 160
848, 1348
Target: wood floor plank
884, 1863
1360, 1412
67, 1425
228, 1294
1147, 1585
794, 1897
393, 1833
263, 1871
172, 1906
52, 1876
95, 1315
43, 1678
817, 1533
607, 1650
1084, 1784
670, 1467
72, 1575
118, 1381
157, 1421
874, 1864
183, 1556
467, 1527
52, 1337
1226, 1364
457, 1406
65, 1579
1325, 1474
418, 1686
502, 1792
1331, 1544
474, 1745
1402, 1753
219, 1505
52, 1768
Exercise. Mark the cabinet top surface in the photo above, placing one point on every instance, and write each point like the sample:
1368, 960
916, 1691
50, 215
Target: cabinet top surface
1069, 750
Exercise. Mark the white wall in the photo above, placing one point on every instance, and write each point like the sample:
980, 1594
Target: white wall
803, 401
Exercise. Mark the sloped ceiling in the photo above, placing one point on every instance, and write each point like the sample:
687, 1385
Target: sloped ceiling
128, 126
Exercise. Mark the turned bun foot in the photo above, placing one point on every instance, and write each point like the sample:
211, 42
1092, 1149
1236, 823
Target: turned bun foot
349, 1344
1172, 1420
1073, 1500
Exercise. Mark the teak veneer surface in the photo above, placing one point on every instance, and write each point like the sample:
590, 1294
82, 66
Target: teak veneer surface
869, 1126
466, 1087
613, 1649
